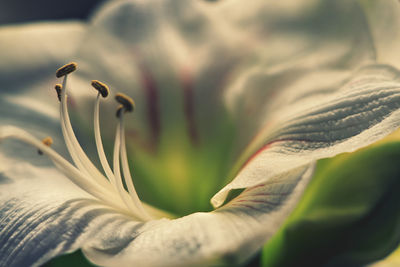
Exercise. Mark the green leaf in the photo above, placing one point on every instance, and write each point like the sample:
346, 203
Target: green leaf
76, 259
349, 214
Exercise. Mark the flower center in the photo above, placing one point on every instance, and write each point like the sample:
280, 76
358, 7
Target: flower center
116, 188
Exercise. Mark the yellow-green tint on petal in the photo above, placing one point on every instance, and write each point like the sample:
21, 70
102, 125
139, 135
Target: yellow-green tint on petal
349, 214
180, 176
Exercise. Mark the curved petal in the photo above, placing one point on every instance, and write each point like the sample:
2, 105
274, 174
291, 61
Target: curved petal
44, 215
384, 21
314, 126
300, 42
229, 235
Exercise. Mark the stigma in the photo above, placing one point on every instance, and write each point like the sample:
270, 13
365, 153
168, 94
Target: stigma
111, 186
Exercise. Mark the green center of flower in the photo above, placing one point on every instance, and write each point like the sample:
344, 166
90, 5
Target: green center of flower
176, 165
180, 177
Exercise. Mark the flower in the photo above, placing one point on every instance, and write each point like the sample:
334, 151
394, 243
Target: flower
257, 97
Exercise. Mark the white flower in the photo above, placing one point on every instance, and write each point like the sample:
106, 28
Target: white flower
254, 92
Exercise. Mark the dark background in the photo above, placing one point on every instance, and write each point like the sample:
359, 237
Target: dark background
22, 11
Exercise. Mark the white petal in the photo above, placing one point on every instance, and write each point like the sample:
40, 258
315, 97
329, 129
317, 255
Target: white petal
229, 235
34, 51
384, 22
44, 215
315, 125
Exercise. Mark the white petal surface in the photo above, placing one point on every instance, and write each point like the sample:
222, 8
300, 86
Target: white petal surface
384, 21
31, 52
226, 236
299, 42
44, 215
314, 125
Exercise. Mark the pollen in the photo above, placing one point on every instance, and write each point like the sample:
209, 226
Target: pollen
101, 87
66, 69
125, 101
58, 88
48, 141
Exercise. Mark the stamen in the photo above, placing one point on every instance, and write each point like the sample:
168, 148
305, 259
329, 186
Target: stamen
58, 88
84, 182
120, 150
126, 101
117, 172
99, 143
127, 174
120, 110
84, 164
48, 141
84, 173
77, 154
66, 69
101, 87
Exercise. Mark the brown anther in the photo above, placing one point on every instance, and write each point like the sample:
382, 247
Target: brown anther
66, 69
126, 101
58, 88
48, 141
101, 87
120, 109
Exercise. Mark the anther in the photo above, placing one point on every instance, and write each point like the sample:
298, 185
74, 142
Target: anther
48, 141
126, 101
58, 88
120, 109
101, 87
66, 69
